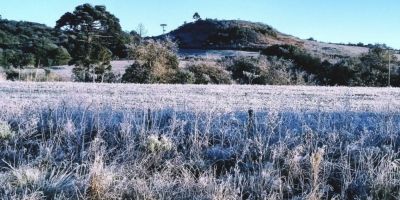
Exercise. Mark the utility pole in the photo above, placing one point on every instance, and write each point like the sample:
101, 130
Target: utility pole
163, 27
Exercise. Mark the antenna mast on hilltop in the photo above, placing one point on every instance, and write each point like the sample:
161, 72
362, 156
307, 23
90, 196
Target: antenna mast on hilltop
163, 27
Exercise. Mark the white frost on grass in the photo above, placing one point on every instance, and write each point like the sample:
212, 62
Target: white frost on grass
200, 97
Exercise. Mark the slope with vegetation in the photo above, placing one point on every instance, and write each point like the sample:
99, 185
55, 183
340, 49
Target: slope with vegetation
27, 43
90, 37
228, 34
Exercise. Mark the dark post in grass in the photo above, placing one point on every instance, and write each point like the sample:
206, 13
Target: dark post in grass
250, 125
149, 121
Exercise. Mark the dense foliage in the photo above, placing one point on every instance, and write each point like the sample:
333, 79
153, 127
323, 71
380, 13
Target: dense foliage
155, 62
369, 69
223, 34
203, 73
89, 36
27, 43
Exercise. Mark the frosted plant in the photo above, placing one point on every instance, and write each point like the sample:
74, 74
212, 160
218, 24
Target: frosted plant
316, 160
100, 179
69, 127
26, 176
156, 143
5, 131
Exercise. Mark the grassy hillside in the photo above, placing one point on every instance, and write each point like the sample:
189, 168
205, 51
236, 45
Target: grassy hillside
245, 35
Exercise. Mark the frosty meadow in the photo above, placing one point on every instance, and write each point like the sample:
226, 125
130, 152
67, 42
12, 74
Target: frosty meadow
123, 141
203, 100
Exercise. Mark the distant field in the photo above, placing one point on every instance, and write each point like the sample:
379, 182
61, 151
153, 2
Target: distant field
229, 97
325, 49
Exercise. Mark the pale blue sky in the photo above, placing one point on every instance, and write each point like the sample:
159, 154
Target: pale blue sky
368, 21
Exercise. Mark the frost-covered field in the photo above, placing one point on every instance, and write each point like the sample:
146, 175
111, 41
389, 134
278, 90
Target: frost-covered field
228, 97
116, 141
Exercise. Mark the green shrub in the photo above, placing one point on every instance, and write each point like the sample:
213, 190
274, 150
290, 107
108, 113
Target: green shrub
247, 70
267, 70
137, 73
285, 72
343, 73
373, 70
155, 62
299, 56
184, 77
12, 75
370, 69
209, 74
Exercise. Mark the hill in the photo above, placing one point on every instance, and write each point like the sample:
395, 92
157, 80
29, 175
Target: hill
20, 33
245, 52
316, 62
251, 36
229, 34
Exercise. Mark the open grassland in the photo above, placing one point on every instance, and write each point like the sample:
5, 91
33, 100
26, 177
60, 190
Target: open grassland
122, 141
198, 97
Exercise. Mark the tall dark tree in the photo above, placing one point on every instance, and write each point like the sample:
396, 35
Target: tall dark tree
93, 35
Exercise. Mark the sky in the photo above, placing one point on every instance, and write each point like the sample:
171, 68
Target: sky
339, 21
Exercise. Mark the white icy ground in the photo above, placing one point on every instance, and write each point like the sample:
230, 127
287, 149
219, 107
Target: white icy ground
18, 95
